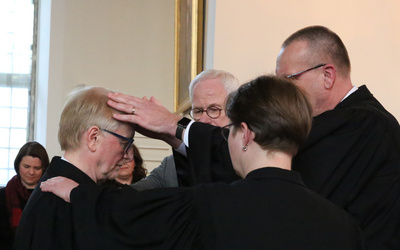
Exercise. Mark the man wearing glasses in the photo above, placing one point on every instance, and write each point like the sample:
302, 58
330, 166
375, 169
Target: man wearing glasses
352, 155
95, 146
207, 92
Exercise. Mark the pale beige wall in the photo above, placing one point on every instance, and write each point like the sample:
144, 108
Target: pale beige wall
101, 42
122, 45
248, 35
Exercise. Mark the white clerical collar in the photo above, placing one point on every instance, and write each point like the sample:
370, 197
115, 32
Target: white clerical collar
352, 90
63, 158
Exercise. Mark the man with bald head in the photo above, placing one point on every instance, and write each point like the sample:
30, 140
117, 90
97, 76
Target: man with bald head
352, 155
308, 53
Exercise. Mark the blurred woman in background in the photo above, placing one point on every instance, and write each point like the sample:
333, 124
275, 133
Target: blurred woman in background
30, 164
131, 172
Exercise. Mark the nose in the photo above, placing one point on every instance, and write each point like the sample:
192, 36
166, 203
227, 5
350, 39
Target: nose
128, 155
205, 118
31, 171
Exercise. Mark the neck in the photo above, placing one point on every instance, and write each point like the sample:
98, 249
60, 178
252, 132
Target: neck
124, 179
82, 162
27, 186
257, 158
345, 87
335, 95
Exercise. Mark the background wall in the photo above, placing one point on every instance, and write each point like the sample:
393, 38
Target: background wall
127, 46
248, 35
122, 45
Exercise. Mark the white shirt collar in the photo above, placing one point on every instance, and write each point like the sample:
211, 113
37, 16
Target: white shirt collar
63, 158
352, 90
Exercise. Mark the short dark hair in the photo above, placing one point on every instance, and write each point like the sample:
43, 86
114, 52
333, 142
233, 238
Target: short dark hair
275, 110
33, 149
323, 42
139, 172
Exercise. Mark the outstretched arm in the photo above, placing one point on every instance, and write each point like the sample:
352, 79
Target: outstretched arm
59, 186
153, 119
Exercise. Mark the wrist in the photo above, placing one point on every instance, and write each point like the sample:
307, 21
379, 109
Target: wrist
181, 126
171, 140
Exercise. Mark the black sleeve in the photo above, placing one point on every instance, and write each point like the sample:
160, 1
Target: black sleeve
184, 171
129, 219
208, 156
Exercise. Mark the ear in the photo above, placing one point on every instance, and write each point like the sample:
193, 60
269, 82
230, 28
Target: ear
329, 75
247, 135
92, 138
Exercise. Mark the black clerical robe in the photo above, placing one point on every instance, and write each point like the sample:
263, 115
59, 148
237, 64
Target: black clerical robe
351, 157
270, 209
208, 158
47, 221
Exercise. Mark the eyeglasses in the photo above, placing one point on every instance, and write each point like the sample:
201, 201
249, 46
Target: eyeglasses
212, 112
225, 131
304, 71
129, 140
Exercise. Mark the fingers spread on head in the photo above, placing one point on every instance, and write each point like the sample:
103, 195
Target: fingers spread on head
127, 108
118, 97
134, 119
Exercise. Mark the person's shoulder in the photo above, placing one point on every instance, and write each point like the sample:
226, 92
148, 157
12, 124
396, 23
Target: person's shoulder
168, 162
165, 169
365, 114
362, 103
42, 200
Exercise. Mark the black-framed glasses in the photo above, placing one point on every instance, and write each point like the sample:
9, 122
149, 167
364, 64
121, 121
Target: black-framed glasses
212, 112
129, 140
225, 131
304, 71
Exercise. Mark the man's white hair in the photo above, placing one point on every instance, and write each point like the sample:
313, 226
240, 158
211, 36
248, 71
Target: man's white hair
228, 81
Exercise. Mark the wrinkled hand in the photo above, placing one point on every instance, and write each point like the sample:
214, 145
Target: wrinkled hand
153, 119
59, 186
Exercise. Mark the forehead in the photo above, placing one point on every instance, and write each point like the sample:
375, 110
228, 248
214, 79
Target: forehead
292, 58
209, 92
126, 130
30, 160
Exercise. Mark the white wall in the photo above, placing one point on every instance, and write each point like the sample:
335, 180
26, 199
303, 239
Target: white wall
122, 45
248, 36
127, 46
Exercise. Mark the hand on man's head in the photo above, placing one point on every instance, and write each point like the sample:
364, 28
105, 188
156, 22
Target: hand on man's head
150, 116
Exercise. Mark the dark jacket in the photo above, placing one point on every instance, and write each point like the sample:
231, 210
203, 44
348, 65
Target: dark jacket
270, 209
351, 157
6, 235
47, 221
